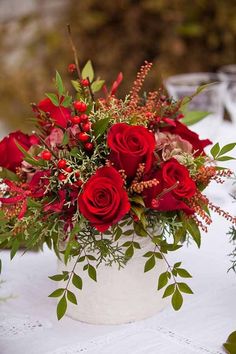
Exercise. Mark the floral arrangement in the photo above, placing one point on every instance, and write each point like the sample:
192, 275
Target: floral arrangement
98, 170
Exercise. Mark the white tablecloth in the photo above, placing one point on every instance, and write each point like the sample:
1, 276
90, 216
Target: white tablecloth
28, 323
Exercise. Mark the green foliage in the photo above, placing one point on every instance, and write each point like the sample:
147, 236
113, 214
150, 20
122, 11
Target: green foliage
87, 71
150, 263
77, 281
230, 345
193, 117
219, 153
61, 307
59, 84
97, 85
53, 98
5, 173
177, 299
100, 126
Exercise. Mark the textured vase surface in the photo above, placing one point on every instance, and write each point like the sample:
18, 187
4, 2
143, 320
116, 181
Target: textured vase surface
119, 295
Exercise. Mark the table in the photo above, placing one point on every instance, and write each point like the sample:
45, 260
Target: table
28, 323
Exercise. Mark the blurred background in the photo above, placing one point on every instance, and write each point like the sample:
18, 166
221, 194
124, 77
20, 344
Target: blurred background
176, 35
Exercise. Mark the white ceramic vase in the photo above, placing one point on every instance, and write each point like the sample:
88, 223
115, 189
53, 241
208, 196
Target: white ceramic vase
118, 296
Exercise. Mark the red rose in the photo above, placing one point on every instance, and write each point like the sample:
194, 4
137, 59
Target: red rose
130, 145
59, 114
10, 156
187, 134
171, 172
104, 201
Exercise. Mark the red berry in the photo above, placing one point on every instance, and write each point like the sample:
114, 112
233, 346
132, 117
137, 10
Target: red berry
61, 164
86, 127
46, 155
71, 68
76, 119
89, 146
85, 82
78, 183
68, 169
83, 137
61, 177
77, 174
148, 114
84, 117
80, 106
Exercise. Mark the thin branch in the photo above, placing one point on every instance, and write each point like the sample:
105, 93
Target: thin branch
74, 51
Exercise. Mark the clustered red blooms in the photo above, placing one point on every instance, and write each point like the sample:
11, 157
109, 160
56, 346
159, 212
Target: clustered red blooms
135, 163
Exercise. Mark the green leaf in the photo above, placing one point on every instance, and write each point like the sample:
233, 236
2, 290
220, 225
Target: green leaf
194, 231
215, 150
71, 297
5, 173
230, 348
184, 288
59, 84
150, 264
65, 139
77, 281
177, 300
129, 252
57, 293
169, 290
57, 277
14, 248
61, 307
30, 158
118, 233
162, 281
148, 254
92, 272
232, 337
90, 257
66, 101
97, 85
193, 117
138, 200
74, 152
158, 255
128, 232
225, 158
76, 85
203, 87
100, 126
53, 98
87, 71
183, 273
136, 245
127, 244
138, 228
177, 265
227, 148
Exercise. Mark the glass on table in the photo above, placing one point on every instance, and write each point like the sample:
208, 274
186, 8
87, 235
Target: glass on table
209, 100
227, 74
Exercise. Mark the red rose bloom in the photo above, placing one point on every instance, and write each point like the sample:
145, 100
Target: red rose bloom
187, 134
104, 201
10, 156
59, 114
130, 145
170, 173
173, 172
